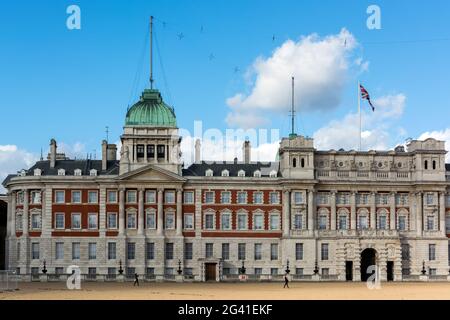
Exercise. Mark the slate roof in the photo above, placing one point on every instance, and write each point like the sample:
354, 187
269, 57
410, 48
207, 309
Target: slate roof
199, 169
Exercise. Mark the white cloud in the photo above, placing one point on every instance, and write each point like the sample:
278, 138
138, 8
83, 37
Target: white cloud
344, 133
443, 135
13, 159
76, 150
320, 67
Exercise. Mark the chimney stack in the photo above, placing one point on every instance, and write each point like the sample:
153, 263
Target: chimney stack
52, 153
197, 151
109, 152
246, 150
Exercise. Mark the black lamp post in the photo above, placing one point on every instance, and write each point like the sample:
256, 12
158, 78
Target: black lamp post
44, 269
316, 268
179, 267
242, 269
424, 271
120, 267
287, 267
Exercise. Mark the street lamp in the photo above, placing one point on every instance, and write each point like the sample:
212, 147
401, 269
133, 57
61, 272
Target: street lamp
424, 271
287, 267
44, 269
242, 269
179, 267
316, 268
120, 267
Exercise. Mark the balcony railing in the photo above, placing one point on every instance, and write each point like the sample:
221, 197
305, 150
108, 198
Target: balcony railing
363, 175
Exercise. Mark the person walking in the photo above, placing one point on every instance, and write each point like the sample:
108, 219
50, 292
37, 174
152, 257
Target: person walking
286, 281
136, 280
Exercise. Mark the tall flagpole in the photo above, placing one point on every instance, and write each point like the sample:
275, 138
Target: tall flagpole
359, 111
151, 52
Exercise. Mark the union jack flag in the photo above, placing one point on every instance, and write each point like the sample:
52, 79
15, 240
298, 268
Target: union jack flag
365, 95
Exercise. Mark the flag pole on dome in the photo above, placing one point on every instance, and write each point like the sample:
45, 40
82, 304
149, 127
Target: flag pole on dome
359, 111
151, 52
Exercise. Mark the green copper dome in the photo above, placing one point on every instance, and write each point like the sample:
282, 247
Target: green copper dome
151, 110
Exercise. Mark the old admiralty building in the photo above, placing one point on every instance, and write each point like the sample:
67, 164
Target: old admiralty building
319, 214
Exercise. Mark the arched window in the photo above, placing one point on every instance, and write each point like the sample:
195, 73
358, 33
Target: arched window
294, 162
426, 165
302, 162
434, 164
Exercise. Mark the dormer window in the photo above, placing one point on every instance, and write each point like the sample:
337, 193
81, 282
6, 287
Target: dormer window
273, 174
241, 173
257, 174
22, 173
225, 173
61, 172
93, 173
209, 173
77, 172
37, 172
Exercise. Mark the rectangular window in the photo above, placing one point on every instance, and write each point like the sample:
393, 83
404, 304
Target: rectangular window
401, 199
430, 223
299, 271
131, 196
140, 150
188, 250
274, 251
258, 198
299, 251
298, 221
362, 198
273, 271
150, 151
59, 196
241, 251
188, 271
92, 197
242, 197
209, 250
342, 223
131, 220
242, 221
59, 250
169, 197
322, 222
35, 197
258, 222
225, 197
19, 222
112, 220
402, 223
382, 199
151, 220
92, 272
447, 225
382, 223
226, 221
322, 198
76, 220
21, 197
169, 251
343, 198
363, 222
59, 270
324, 251
225, 251
76, 196
160, 151
92, 251
170, 220
75, 251
150, 251
298, 197
431, 252
131, 250
112, 272
258, 251
92, 221
150, 272
112, 196
36, 221
35, 270
325, 272
189, 221
274, 221
274, 198
209, 221
111, 250
430, 199
35, 250
209, 197
432, 271
258, 271
188, 197
150, 196
130, 272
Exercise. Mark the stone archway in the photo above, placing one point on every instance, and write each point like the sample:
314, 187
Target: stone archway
368, 258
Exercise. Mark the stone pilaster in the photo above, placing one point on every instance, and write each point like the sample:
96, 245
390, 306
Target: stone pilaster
442, 213
419, 211
392, 220
353, 211
102, 212
333, 210
140, 212
160, 214
373, 213
286, 212
25, 217
311, 210
179, 221
121, 211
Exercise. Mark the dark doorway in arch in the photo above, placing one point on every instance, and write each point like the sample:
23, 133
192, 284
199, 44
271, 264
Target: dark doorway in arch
368, 258
349, 270
390, 270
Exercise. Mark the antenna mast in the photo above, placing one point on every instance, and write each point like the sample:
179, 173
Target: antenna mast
292, 110
151, 52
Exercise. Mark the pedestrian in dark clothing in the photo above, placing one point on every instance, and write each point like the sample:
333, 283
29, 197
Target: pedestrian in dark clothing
286, 281
136, 280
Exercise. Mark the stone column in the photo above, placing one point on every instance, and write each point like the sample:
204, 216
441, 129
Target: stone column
286, 212
155, 155
160, 223
311, 210
25, 217
392, 222
333, 211
419, 212
121, 211
141, 212
442, 213
102, 211
145, 153
353, 211
179, 213
373, 213
412, 203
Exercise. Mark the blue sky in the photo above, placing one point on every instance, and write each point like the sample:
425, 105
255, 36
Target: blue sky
70, 84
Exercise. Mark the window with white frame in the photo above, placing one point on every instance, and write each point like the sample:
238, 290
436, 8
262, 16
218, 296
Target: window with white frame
225, 197
401, 199
168, 252
258, 221
209, 173
35, 197
225, 251
342, 222
188, 197
257, 174
298, 221
112, 196
92, 221
209, 197
225, 221
258, 197
35, 250
37, 172
76, 221
150, 196
92, 196
258, 251
298, 197
77, 172
242, 220
150, 250
362, 198
274, 221
112, 220
76, 196
19, 222
382, 199
150, 217
209, 221
343, 198
431, 252
273, 174
75, 251
20, 197
131, 250
402, 222
131, 220
169, 197
59, 250
241, 173
61, 172
60, 220
209, 250
324, 251
225, 173
36, 221
242, 197
93, 173
131, 196
363, 220
430, 199
92, 250
382, 220
323, 222
112, 250
241, 251
188, 221
274, 198
299, 251
322, 198
59, 196
274, 251
169, 220
430, 223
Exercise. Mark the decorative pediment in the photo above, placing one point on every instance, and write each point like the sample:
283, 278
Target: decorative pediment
152, 173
